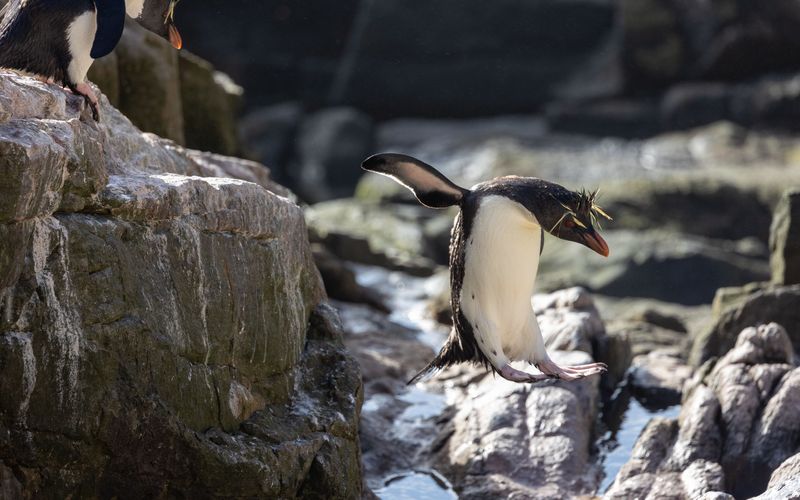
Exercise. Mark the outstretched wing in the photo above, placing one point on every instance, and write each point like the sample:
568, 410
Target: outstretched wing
431, 188
110, 23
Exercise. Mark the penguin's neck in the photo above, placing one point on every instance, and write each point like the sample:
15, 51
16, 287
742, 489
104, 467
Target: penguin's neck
134, 8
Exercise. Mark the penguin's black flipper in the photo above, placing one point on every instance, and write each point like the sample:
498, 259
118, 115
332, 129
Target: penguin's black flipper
110, 23
431, 188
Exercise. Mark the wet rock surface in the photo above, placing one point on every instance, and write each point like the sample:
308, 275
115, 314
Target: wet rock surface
737, 425
161, 331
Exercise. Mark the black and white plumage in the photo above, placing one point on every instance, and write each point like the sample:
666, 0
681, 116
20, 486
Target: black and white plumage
495, 245
60, 39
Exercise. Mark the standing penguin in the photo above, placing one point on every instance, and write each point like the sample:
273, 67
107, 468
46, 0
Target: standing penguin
495, 245
60, 39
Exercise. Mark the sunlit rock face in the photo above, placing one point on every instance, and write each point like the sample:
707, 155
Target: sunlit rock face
154, 318
738, 425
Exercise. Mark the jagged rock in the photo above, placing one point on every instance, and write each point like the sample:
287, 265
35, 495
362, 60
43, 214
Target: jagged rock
785, 240
154, 322
737, 425
778, 304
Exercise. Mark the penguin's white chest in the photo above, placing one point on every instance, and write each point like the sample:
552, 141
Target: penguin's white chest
501, 260
80, 38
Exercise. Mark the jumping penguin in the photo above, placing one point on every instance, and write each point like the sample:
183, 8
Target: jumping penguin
60, 39
495, 245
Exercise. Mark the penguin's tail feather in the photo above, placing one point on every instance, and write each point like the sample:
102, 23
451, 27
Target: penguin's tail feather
430, 186
452, 353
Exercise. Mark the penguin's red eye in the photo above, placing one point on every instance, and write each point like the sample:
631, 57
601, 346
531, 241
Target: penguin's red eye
569, 224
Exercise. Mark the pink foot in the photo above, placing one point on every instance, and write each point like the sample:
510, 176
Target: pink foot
514, 375
548, 367
83, 89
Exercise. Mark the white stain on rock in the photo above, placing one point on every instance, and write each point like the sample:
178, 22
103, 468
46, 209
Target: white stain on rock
64, 331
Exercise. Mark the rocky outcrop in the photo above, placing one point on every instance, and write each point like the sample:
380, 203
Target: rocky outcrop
161, 332
771, 304
738, 424
785, 240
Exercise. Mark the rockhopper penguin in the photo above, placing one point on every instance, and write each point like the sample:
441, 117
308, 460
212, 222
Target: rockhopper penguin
495, 245
60, 39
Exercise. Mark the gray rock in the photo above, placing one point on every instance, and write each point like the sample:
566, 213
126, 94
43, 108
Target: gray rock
785, 481
149, 86
208, 101
770, 102
785, 240
392, 236
483, 456
154, 321
778, 304
690, 269
331, 145
340, 280
691, 105
268, 135
737, 426
657, 378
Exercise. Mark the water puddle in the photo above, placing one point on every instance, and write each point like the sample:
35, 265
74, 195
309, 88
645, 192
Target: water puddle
626, 417
414, 485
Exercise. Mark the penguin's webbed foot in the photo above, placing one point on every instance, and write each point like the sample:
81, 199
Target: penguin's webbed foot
510, 373
84, 90
548, 367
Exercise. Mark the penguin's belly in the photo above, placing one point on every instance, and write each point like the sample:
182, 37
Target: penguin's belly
502, 257
80, 37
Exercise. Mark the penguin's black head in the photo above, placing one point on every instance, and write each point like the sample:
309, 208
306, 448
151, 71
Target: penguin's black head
566, 214
574, 216
158, 16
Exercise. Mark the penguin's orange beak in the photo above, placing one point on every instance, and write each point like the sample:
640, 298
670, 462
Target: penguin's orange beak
175, 36
593, 240
172, 30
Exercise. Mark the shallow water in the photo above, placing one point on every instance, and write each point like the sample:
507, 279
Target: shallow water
617, 444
